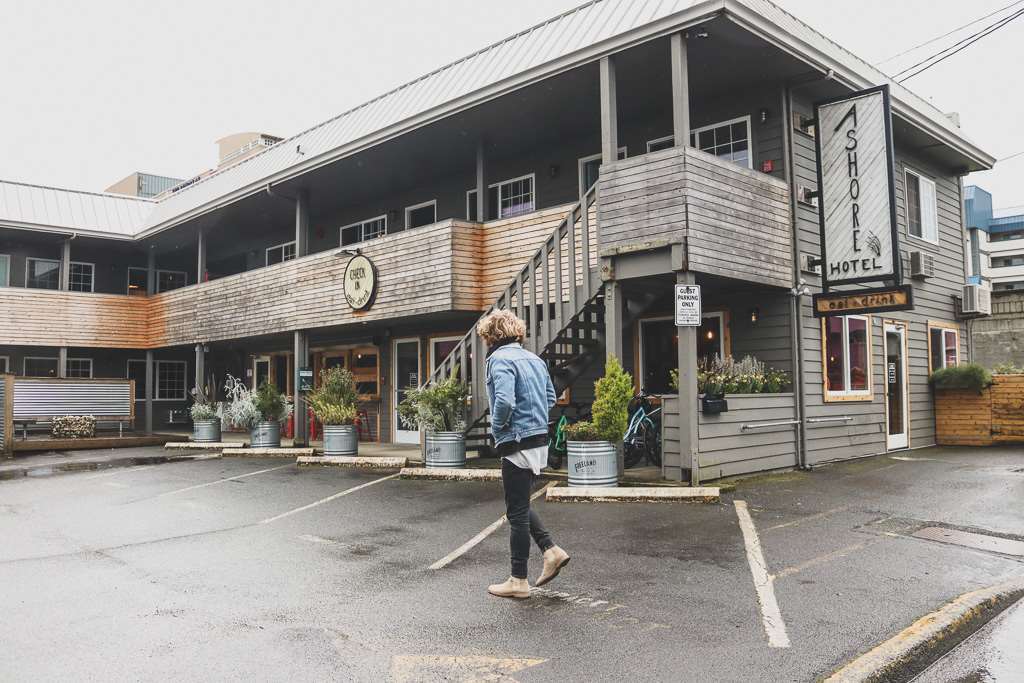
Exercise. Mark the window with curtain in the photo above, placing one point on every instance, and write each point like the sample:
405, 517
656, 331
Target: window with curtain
922, 213
943, 347
847, 356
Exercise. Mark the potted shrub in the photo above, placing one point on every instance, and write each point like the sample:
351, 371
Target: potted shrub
439, 410
592, 445
261, 411
206, 425
334, 404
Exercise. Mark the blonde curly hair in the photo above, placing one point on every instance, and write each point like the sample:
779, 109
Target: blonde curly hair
501, 325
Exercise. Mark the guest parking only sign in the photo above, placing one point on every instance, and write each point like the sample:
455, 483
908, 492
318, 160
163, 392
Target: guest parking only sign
688, 305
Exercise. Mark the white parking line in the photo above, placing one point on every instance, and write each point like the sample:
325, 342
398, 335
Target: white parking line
771, 617
221, 481
328, 499
475, 541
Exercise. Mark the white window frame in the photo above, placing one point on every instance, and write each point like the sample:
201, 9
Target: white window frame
922, 181
26, 359
28, 270
655, 141
172, 272
848, 394
431, 361
79, 360
362, 229
128, 374
92, 276
739, 119
499, 185
6, 361
582, 161
156, 379
6, 282
266, 260
410, 209
943, 327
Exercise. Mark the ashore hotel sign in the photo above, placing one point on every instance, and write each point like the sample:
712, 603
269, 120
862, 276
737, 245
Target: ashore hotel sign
856, 195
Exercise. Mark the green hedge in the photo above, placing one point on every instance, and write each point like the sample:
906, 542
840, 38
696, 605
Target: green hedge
969, 376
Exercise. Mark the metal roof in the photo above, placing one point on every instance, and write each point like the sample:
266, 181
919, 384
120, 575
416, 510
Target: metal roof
575, 37
59, 210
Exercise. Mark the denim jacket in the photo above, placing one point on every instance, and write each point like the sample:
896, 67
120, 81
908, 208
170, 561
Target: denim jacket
520, 392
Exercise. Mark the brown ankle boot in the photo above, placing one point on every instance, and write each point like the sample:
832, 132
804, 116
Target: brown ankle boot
554, 559
513, 588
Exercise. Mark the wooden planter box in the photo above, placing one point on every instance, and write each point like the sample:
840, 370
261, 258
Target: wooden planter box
969, 418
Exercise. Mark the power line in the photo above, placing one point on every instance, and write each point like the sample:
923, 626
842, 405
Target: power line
1012, 156
963, 44
944, 35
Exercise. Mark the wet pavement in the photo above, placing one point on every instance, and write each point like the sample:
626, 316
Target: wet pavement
995, 653
257, 569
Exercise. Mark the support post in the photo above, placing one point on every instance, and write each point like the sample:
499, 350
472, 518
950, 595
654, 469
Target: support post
609, 113
65, 265
301, 224
62, 362
201, 257
200, 384
613, 332
481, 182
680, 90
688, 438
301, 414
149, 391
151, 272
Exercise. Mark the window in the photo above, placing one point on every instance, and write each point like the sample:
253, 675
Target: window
42, 273
505, 199
728, 140
5, 365
993, 237
5, 270
421, 214
138, 279
1007, 261
40, 367
590, 169
659, 348
659, 144
1007, 286
78, 367
137, 371
943, 346
847, 357
922, 214
281, 253
80, 277
166, 280
170, 380
364, 230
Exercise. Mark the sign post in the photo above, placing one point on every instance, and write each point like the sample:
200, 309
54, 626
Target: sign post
687, 305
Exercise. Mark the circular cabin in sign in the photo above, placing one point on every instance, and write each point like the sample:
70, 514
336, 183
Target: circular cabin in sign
360, 282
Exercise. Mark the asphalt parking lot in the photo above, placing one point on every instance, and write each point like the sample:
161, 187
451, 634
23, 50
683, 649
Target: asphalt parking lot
257, 569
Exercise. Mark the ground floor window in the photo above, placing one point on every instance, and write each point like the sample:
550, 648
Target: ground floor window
137, 372
659, 348
42, 273
171, 383
847, 357
362, 361
943, 346
79, 367
281, 253
364, 230
35, 366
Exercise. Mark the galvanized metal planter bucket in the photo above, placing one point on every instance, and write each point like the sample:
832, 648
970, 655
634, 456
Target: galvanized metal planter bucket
206, 431
266, 435
593, 463
445, 449
341, 440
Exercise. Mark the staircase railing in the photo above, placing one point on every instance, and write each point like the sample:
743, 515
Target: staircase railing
547, 292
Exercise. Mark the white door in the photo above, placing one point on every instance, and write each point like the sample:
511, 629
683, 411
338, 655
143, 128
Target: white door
406, 373
896, 391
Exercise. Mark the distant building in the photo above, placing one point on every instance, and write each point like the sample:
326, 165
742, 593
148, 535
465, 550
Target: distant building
140, 184
997, 242
234, 148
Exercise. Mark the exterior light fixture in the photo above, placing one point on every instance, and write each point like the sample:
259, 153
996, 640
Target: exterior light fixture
711, 335
755, 313
348, 251
763, 114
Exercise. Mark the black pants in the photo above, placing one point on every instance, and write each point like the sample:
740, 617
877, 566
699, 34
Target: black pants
523, 522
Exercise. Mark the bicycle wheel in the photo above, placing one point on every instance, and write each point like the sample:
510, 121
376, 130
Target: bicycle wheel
652, 439
554, 458
632, 452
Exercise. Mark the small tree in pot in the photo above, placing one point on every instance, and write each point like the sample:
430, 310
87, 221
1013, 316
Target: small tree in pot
592, 445
440, 410
334, 404
206, 426
261, 411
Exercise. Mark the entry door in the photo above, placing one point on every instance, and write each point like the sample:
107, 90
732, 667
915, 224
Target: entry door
896, 394
406, 374
260, 371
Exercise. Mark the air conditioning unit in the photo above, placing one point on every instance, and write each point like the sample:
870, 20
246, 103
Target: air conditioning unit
922, 265
977, 300
810, 263
806, 195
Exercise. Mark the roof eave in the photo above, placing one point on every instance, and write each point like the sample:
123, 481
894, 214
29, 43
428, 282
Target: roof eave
59, 230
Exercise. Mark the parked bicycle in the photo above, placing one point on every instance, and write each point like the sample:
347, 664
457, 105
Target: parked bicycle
558, 449
643, 436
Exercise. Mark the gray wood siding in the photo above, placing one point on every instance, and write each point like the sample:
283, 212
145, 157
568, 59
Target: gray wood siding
864, 433
733, 221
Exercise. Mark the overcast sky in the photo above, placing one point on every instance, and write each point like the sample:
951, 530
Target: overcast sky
95, 90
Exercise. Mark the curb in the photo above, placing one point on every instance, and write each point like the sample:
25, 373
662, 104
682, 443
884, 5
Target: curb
914, 648
383, 463
93, 465
450, 474
633, 494
202, 446
267, 452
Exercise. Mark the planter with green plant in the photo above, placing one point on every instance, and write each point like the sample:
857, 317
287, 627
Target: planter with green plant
206, 425
439, 409
261, 411
592, 445
334, 404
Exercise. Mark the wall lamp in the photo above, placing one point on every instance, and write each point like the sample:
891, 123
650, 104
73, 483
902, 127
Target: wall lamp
348, 251
755, 314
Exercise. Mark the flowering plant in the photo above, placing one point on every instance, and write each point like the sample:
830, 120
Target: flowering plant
726, 375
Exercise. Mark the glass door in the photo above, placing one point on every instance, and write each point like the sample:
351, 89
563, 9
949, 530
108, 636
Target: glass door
260, 371
896, 395
406, 374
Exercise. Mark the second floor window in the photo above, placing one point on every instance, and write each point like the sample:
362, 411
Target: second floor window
364, 230
281, 253
80, 277
922, 214
847, 357
729, 140
5, 270
1007, 261
166, 280
42, 273
506, 199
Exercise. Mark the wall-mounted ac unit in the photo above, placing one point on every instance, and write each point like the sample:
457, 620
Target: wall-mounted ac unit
977, 300
810, 264
806, 195
922, 265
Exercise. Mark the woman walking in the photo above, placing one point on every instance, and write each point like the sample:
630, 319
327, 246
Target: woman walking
521, 397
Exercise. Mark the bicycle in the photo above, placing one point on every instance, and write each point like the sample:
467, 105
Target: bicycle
643, 436
558, 448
